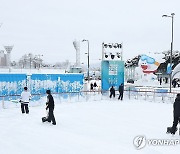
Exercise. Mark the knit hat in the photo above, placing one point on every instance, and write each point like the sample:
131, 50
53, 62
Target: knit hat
48, 92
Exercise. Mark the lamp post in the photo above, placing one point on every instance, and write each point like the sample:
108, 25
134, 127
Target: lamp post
88, 57
172, 17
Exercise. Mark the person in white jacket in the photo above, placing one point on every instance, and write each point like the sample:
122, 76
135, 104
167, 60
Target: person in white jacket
24, 100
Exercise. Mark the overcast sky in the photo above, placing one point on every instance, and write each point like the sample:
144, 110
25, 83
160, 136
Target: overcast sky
49, 27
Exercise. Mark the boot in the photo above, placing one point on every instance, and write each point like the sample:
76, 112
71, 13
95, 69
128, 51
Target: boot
173, 130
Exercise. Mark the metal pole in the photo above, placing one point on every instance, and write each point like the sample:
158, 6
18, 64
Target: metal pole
88, 60
172, 16
172, 27
121, 51
170, 75
103, 51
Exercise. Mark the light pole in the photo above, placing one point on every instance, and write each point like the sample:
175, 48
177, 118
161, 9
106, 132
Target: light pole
88, 57
172, 17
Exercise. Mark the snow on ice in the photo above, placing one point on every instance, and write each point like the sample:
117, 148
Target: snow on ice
87, 127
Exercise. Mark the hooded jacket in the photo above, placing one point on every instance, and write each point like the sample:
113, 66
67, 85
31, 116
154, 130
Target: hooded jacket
177, 106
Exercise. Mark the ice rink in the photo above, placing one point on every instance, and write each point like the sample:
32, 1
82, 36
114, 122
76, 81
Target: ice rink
93, 127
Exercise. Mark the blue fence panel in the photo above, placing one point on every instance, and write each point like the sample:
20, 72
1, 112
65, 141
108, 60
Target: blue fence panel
70, 82
12, 84
56, 83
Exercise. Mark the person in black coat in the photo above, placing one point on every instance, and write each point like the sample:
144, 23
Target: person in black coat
91, 86
160, 80
95, 84
176, 107
174, 83
50, 106
121, 91
112, 92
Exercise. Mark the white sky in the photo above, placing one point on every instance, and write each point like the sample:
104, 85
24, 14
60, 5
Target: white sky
49, 27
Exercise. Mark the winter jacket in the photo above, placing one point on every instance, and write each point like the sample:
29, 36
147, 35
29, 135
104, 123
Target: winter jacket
177, 107
121, 88
112, 90
25, 97
50, 102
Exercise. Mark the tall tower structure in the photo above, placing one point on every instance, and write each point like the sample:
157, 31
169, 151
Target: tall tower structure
8, 56
77, 48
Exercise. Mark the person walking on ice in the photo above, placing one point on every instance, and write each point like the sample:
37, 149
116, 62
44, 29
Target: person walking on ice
121, 91
24, 100
112, 92
50, 106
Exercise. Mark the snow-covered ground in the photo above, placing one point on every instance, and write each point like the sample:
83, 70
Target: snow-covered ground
89, 127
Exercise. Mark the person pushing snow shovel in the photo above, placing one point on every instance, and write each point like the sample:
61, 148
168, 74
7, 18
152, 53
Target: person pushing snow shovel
50, 108
176, 107
24, 100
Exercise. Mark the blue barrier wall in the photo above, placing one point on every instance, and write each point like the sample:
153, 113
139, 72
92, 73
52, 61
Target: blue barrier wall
39, 83
13, 84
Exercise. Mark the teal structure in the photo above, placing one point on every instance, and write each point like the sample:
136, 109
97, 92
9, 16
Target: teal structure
112, 74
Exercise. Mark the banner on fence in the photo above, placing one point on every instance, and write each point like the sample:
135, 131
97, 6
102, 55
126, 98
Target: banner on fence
13, 84
56, 82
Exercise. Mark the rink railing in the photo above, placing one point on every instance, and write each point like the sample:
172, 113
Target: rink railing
151, 95
148, 94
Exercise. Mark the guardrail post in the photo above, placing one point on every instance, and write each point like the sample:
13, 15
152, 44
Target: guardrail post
58, 94
129, 93
3, 103
86, 96
162, 97
137, 93
78, 95
154, 95
69, 96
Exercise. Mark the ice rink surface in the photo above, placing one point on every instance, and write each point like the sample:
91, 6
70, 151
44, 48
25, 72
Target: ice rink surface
93, 127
